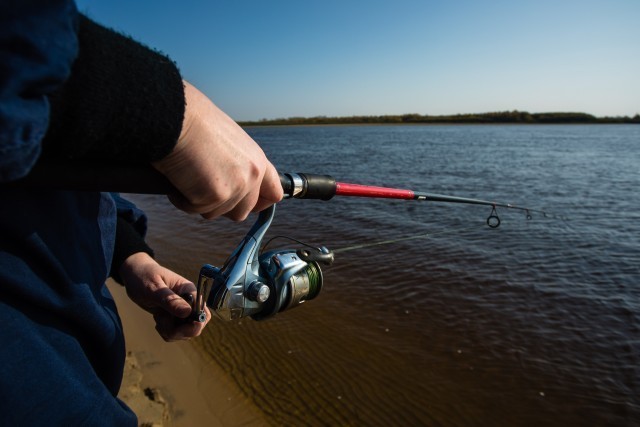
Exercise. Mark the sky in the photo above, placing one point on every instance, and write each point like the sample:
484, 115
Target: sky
272, 59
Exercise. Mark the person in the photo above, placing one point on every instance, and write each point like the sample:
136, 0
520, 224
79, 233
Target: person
73, 90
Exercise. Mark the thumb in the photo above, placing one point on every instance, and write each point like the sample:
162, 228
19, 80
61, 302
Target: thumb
174, 304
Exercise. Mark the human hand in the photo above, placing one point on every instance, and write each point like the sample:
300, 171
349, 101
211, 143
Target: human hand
157, 290
216, 166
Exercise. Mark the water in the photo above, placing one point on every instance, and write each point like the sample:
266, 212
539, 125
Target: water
534, 323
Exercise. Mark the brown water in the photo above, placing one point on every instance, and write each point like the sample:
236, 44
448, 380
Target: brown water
534, 323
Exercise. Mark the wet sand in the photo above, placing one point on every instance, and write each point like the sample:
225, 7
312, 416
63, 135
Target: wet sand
171, 384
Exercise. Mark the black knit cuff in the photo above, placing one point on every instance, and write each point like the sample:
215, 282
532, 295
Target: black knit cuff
123, 102
128, 242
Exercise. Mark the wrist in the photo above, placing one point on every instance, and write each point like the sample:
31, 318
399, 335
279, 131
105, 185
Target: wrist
133, 263
136, 259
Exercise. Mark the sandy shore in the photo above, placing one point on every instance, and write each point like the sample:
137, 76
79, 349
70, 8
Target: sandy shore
171, 384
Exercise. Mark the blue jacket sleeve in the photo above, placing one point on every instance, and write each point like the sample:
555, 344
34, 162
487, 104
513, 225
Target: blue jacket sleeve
131, 229
38, 45
129, 212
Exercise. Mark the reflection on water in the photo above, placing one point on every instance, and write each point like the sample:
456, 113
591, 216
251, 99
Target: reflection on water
534, 323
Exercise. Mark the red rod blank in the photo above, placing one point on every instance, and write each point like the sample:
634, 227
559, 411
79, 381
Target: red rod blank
356, 190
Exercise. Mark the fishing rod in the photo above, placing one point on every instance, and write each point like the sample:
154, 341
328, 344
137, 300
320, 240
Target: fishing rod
146, 180
253, 282
325, 187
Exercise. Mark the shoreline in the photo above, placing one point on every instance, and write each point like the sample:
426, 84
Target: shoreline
171, 384
252, 125
514, 117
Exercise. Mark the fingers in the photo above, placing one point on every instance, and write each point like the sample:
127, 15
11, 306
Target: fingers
242, 209
162, 292
172, 320
252, 198
170, 330
173, 303
270, 190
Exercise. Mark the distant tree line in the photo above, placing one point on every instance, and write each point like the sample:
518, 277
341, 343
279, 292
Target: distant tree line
515, 116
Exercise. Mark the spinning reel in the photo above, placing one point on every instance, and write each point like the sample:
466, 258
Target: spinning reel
260, 285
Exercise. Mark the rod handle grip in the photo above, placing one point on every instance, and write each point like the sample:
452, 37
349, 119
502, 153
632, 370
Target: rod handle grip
308, 186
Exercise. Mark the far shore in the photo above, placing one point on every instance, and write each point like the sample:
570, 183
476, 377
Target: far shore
263, 125
506, 117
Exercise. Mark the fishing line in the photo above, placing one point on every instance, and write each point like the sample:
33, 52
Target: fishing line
493, 221
402, 239
264, 247
372, 244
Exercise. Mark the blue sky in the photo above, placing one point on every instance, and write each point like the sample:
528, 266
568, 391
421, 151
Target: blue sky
269, 59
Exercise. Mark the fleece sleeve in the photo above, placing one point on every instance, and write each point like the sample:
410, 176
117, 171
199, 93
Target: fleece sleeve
123, 103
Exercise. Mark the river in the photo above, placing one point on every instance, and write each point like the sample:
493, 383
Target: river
536, 322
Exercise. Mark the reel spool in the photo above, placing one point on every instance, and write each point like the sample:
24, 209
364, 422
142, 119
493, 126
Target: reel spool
292, 281
256, 285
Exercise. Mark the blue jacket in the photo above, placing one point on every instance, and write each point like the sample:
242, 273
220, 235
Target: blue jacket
61, 342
